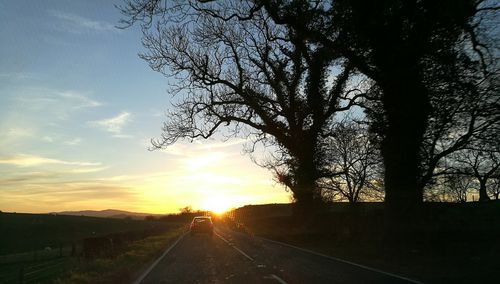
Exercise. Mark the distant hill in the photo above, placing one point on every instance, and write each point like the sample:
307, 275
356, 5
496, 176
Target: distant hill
108, 213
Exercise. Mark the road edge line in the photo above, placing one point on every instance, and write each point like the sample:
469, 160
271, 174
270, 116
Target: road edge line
235, 247
145, 273
342, 260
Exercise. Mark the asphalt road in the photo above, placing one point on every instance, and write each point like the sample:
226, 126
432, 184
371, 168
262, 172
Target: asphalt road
231, 257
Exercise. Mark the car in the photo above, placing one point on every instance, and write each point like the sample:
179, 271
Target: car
202, 224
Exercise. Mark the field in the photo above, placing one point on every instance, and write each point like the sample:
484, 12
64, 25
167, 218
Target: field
452, 243
38, 248
28, 232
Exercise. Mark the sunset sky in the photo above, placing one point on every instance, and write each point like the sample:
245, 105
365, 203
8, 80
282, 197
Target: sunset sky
77, 111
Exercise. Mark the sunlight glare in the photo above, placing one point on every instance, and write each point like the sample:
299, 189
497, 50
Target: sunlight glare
202, 161
217, 205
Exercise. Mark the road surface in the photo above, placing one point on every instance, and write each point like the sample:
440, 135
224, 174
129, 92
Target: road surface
231, 257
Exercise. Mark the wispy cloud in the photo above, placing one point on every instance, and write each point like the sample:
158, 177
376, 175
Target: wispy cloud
141, 178
22, 160
114, 124
59, 102
31, 111
80, 100
68, 195
200, 147
17, 76
16, 132
29, 177
77, 23
73, 142
88, 170
225, 144
48, 139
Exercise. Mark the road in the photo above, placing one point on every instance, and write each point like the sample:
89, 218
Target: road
231, 257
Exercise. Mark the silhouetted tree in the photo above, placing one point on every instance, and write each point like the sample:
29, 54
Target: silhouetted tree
493, 186
458, 121
394, 43
482, 163
261, 80
402, 46
464, 113
354, 164
186, 210
457, 187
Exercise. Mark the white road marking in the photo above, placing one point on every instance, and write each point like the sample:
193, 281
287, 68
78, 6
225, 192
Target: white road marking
243, 253
139, 280
342, 260
235, 247
222, 238
275, 277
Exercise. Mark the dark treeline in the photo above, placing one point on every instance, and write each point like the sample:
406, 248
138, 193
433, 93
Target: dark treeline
354, 100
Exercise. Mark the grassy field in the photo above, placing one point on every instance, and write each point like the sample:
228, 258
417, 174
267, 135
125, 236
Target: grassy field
124, 267
38, 248
452, 243
42, 271
29, 232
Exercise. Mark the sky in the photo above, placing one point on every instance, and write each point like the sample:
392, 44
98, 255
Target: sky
78, 108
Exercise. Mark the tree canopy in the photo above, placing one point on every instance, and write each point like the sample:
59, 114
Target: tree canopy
281, 72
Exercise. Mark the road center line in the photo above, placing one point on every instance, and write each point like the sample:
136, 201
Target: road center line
235, 247
275, 277
139, 280
243, 253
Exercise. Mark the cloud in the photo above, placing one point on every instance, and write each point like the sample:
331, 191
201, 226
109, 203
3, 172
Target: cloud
203, 155
16, 132
122, 136
88, 170
139, 177
225, 144
67, 195
17, 76
80, 100
36, 114
29, 177
114, 124
75, 23
48, 139
60, 103
22, 160
73, 142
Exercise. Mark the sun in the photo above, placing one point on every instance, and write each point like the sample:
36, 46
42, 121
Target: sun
217, 205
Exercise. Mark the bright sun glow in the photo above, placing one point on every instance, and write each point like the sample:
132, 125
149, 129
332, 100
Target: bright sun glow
217, 205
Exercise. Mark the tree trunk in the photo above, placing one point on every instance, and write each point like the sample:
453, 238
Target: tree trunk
407, 105
304, 199
483, 194
305, 191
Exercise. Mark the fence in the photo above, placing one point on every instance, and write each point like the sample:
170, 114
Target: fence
35, 266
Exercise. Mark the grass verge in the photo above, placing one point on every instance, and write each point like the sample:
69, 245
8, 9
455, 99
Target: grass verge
126, 266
